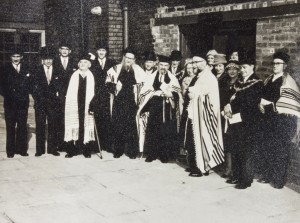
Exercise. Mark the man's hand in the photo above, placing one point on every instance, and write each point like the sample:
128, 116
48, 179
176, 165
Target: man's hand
119, 86
261, 108
228, 111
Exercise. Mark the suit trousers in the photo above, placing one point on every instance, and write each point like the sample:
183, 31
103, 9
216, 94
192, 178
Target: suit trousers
16, 130
41, 116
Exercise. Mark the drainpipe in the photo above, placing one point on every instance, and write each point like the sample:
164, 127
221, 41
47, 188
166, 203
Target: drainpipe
125, 18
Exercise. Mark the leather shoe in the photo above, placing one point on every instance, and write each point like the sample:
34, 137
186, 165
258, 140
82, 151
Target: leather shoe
187, 169
242, 186
68, 155
132, 157
87, 155
164, 160
10, 156
264, 181
232, 181
55, 153
24, 154
206, 173
278, 186
116, 156
38, 154
149, 160
195, 174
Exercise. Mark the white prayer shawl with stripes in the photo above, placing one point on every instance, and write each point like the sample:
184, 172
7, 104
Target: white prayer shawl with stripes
204, 113
71, 109
140, 77
145, 95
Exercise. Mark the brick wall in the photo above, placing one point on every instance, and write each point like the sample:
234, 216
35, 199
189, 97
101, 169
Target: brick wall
273, 34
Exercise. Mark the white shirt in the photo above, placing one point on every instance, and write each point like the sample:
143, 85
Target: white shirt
17, 67
102, 61
50, 72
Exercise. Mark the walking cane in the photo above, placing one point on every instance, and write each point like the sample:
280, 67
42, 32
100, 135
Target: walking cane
97, 138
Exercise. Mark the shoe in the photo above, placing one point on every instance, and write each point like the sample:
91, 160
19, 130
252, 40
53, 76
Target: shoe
10, 156
188, 169
224, 175
132, 157
116, 156
195, 174
38, 154
55, 153
278, 186
232, 181
206, 173
68, 155
24, 154
87, 155
149, 159
242, 186
164, 160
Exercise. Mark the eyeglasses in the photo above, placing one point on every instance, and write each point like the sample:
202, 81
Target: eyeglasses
277, 63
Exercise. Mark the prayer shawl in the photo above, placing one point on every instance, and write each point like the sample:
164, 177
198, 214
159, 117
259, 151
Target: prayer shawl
71, 109
289, 100
145, 95
140, 77
204, 113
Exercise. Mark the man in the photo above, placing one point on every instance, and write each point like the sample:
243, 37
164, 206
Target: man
100, 104
279, 105
47, 104
150, 62
64, 66
124, 82
243, 109
203, 141
79, 123
176, 67
15, 88
161, 97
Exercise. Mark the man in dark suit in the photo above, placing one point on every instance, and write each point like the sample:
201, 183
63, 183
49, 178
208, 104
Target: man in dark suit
100, 104
47, 104
15, 88
64, 66
176, 67
243, 109
150, 62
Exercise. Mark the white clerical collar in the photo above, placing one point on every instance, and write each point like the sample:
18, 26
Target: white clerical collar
276, 76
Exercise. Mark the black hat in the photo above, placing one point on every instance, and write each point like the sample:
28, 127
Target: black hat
282, 56
65, 43
102, 45
149, 55
16, 49
164, 59
176, 55
246, 57
85, 56
47, 53
129, 50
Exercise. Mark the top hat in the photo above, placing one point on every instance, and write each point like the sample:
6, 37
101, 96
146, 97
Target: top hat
150, 55
220, 59
164, 59
101, 45
175, 55
129, 50
65, 43
246, 57
16, 49
47, 52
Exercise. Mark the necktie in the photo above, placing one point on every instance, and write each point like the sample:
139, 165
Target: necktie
65, 63
101, 64
18, 68
48, 75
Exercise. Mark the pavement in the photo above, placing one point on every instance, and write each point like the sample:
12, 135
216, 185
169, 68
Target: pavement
50, 189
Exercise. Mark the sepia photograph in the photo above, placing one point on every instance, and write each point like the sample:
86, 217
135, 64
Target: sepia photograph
149, 111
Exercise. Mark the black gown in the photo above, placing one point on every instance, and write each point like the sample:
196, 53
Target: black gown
160, 137
279, 130
124, 116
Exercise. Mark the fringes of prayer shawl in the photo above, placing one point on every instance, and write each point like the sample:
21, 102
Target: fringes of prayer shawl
71, 109
207, 134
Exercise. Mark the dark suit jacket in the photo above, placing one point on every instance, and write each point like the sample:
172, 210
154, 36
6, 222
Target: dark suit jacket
15, 87
247, 99
100, 102
46, 96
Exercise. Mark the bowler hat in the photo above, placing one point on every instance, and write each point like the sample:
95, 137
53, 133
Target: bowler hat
282, 56
65, 43
16, 49
175, 55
